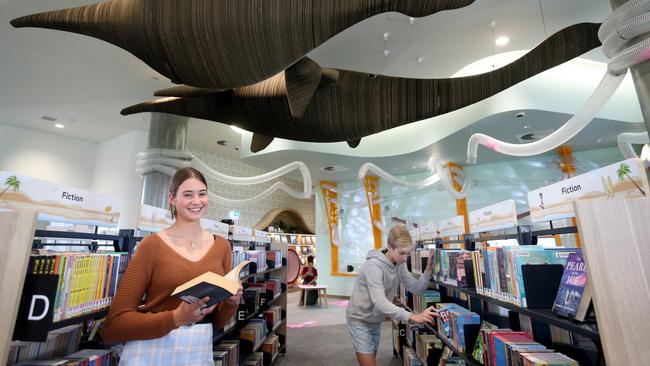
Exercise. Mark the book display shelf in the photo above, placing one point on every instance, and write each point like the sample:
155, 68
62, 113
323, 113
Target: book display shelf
259, 328
579, 340
303, 244
257, 333
46, 294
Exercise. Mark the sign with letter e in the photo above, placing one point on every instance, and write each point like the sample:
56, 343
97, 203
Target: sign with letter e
36, 308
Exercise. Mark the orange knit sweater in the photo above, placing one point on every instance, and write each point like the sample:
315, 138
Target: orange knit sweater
156, 269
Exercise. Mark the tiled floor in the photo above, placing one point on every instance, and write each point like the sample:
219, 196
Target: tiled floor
318, 336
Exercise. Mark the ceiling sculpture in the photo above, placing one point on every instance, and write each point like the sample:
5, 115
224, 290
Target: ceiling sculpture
310, 103
227, 43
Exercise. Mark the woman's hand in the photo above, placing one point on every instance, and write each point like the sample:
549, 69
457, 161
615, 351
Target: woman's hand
236, 298
187, 313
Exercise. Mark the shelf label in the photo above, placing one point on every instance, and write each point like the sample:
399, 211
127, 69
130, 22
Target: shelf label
58, 203
154, 218
454, 226
261, 236
215, 227
502, 215
625, 179
428, 231
241, 233
36, 310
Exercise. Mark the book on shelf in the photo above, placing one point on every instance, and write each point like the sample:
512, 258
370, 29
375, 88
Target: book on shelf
444, 318
255, 359
217, 287
574, 295
410, 357
479, 346
59, 342
86, 281
274, 258
226, 353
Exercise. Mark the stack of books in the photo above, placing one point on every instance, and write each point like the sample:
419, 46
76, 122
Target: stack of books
273, 316
271, 346
87, 281
226, 353
255, 359
504, 347
254, 332
274, 258
59, 342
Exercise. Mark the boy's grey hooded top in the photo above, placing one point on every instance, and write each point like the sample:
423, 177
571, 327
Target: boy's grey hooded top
377, 285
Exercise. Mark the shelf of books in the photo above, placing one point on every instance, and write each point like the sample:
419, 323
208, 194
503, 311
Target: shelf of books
500, 299
303, 244
64, 296
257, 335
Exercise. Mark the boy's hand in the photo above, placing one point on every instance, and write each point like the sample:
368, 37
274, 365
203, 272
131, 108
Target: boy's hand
426, 316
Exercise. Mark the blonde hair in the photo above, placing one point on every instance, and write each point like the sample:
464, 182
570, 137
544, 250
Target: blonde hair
399, 237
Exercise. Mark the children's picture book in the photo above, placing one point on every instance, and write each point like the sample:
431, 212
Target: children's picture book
217, 287
574, 294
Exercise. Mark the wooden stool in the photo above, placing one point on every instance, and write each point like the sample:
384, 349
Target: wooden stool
322, 292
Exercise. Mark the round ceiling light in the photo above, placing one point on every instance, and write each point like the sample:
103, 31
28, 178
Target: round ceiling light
59, 125
502, 41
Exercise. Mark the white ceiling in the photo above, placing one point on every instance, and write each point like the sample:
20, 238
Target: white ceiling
84, 82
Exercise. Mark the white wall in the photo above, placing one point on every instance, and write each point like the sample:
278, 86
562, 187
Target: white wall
53, 158
114, 174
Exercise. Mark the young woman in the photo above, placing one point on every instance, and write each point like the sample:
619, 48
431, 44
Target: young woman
376, 286
165, 330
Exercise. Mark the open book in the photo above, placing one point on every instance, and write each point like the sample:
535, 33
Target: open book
217, 287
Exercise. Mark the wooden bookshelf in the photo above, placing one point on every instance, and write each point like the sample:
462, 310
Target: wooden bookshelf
17, 232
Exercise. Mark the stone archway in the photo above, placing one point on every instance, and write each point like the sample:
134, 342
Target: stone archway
289, 216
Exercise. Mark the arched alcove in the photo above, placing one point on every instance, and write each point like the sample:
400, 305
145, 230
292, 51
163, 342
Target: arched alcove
289, 217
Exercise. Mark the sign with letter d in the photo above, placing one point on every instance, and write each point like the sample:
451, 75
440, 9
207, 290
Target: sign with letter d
36, 308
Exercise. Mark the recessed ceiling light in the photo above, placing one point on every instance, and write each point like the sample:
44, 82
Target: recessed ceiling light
599, 141
59, 125
502, 41
526, 126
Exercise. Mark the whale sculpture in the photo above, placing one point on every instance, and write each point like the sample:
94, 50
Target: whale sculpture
343, 105
223, 44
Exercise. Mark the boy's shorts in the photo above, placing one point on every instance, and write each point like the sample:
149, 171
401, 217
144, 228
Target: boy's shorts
365, 337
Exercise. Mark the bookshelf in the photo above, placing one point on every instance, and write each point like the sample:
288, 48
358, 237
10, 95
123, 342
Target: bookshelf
492, 309
303, 244
244, 316
20, 254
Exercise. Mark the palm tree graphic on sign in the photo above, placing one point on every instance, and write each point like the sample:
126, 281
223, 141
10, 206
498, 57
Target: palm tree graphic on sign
12, 183
624, 171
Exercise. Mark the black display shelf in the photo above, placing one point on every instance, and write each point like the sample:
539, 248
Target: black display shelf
542, 315
468, 359
241, 323
263, 272
80, 319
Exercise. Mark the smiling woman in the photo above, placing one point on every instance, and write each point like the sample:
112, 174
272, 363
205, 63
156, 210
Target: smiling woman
162, 262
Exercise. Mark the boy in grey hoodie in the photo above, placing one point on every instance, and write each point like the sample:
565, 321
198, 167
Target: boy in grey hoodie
376, 286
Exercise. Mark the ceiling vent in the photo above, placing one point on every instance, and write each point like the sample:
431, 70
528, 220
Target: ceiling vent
333, 168
48, 118
533, 136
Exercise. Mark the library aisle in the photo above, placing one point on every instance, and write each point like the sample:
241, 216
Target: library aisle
318, 336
